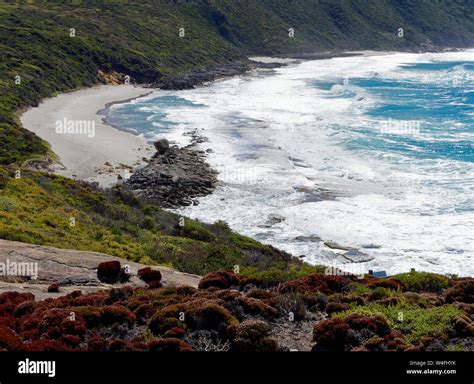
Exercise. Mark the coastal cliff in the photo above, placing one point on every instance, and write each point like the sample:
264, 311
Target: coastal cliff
51, 47
240, 294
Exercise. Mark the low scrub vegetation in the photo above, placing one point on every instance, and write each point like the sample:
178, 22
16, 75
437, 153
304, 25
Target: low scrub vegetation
229, 313
50, 210
423, 281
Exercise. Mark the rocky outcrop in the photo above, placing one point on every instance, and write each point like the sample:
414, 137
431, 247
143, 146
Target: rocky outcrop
198, 77
174, 177
72, 270
162, 146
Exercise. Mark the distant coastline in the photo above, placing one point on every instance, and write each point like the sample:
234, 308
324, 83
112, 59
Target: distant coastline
113, 151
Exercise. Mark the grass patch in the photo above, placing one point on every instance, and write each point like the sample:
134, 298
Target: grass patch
415, 323
38, 208
281, 273
423, 281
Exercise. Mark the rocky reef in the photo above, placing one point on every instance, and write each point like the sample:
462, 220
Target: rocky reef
174, 177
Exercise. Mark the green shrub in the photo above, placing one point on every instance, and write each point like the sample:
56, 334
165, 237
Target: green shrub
423, 281
7, 204
210, 316
415, 323
456, 348
3, 178
378, 293
253, 330
357, 289
275, 276
196, 231
251, 336
294, 303
168, 318
148, 223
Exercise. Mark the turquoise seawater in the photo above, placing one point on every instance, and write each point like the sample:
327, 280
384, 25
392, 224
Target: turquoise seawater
375, 152
442, 113
149, 116
432, 120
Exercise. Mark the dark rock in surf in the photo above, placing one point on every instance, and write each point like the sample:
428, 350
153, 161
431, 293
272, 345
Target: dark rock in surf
174, 177
161, 146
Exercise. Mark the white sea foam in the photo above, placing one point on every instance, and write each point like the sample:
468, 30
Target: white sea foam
277, 144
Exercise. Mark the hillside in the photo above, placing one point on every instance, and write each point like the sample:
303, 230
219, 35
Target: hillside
271, 301
43, 209
143, 41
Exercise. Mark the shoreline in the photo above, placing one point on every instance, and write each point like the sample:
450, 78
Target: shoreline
212, 209
113, 151
103, 154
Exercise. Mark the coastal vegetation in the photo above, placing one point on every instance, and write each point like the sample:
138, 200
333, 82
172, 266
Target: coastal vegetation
54, 46
44, 209
229, 312
248, 288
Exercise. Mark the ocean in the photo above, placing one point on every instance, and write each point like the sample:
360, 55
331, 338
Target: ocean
373, 152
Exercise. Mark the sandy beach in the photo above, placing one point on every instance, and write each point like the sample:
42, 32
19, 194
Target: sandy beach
87, 148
